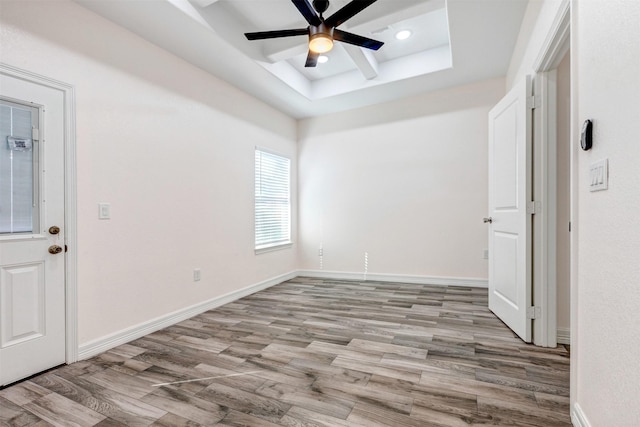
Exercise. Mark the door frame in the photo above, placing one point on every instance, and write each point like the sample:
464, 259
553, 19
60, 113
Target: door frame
70, 201
544, 269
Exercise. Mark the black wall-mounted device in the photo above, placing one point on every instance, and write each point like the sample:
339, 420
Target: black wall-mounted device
586, 138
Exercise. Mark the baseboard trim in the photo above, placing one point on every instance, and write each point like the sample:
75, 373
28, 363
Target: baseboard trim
108, 342
400, 278
578, 418
563, 336
124, 336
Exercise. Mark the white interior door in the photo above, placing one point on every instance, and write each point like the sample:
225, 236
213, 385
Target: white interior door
510, 187
32, 280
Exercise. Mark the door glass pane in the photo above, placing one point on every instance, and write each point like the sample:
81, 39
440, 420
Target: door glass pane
18, 162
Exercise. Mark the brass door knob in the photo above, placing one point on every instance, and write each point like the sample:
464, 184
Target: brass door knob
55, 249
54, 229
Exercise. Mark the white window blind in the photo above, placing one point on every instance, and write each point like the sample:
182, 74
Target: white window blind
17, 190
273, 206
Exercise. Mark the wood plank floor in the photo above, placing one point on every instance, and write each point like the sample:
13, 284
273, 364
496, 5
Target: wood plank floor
312, 352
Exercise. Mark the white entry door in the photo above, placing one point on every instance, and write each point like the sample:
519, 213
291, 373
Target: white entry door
510, 189
32, 250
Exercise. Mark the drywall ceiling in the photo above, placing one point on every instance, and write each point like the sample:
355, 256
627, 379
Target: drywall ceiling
453, 42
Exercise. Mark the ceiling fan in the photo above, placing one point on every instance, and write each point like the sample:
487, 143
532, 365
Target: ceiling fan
322, 32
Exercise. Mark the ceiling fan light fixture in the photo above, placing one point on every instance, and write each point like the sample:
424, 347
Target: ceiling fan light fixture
320, 43
403, 34
322, 32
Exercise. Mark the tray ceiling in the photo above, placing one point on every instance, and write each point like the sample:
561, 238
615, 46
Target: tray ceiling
452, 42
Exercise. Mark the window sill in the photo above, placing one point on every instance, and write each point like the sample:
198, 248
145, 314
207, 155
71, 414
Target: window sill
273, 248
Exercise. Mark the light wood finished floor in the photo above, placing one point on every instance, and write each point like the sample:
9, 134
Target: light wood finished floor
313, 352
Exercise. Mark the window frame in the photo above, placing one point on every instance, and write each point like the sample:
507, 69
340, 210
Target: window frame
36, 178
275, 244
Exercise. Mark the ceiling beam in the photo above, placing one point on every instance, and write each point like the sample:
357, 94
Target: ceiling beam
231, 27
188, 9
364, 60
391, 13
282, 49
204, 3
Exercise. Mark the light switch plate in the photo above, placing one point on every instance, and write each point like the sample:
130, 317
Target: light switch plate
599, 175
104, 210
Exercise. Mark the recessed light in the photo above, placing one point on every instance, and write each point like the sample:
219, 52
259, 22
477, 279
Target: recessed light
403, 35
322, 59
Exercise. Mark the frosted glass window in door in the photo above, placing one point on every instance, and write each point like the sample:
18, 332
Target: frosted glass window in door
18, 168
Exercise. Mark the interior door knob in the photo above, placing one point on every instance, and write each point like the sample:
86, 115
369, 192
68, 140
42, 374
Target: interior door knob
487, 220
55, 249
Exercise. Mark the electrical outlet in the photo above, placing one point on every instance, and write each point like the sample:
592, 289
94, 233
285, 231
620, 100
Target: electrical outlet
196, 274
485, 254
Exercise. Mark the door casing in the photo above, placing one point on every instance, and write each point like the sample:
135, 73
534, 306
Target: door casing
545, 179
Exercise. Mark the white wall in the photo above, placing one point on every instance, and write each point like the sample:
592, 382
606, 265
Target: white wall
607, 83
405, 182
170, 147
538, 20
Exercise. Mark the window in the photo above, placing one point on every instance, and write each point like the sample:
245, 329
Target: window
18, 168
273, 206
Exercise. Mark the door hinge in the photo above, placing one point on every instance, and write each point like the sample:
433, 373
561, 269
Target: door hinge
533, 102
534, 207
35, 134
533, 313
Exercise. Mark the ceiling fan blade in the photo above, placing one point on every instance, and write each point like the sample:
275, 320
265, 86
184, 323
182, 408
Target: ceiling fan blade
275, 34
307, 11
348, 12
312, 59
357, 40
